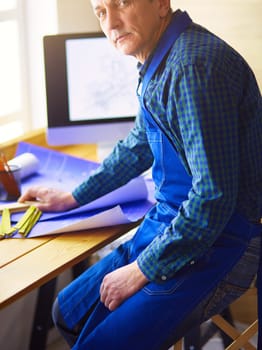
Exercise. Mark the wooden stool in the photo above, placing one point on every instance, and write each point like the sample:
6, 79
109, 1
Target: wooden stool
240, 340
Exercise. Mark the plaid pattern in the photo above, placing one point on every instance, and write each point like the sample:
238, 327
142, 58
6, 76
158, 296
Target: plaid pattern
207, 100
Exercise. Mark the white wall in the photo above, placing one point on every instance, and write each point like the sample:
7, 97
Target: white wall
76, 16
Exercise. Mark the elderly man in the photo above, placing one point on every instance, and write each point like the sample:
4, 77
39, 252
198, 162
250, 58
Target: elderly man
199, 127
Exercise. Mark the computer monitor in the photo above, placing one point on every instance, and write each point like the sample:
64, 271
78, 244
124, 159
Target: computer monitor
90, 89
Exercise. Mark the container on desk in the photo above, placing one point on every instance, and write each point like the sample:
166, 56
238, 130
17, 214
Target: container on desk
10, 183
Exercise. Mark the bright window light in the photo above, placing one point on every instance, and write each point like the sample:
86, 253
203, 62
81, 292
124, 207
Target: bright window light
6, 5
10, 82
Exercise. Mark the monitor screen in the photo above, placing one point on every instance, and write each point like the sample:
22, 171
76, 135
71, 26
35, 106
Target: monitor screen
90, 89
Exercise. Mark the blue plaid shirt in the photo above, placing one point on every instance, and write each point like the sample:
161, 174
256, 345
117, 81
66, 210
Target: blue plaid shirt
207, 101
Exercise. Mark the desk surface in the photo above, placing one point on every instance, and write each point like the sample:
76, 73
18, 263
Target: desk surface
26, 264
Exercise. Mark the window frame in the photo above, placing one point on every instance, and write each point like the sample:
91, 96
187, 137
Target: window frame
22, 116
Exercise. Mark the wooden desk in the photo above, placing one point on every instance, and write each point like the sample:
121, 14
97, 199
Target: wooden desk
26, 264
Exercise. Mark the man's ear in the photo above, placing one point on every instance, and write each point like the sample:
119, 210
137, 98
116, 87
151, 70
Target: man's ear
164, 7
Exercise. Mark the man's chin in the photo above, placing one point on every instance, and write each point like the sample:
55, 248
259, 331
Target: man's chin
125, 50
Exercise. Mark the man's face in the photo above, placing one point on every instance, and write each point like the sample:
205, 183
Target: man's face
132, 26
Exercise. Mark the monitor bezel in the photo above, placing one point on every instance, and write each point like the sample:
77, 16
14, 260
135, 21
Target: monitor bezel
56, 81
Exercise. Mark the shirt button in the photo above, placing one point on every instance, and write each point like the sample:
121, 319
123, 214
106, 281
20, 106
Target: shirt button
163, 278
192, 262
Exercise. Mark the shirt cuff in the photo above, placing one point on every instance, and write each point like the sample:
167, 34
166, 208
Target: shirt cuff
148, 267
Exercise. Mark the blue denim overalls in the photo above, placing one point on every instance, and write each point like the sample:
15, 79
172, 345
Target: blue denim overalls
148, 318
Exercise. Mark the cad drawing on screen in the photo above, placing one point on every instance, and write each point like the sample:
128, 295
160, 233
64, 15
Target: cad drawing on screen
90, 89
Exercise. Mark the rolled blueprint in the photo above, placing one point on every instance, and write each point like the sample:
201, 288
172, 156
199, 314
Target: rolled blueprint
28, 163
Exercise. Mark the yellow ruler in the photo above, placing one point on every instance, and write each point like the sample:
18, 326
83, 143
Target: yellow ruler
16, 207
23, 226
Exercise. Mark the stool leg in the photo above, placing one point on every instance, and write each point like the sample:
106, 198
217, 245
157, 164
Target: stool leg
179, 345
228, 317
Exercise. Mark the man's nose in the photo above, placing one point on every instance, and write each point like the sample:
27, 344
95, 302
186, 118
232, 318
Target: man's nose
112, 20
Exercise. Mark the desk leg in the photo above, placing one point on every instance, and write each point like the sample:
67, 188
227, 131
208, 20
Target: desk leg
42, 318
80, 268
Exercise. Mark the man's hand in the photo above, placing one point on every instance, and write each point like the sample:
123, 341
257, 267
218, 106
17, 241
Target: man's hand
49, 199
121, 284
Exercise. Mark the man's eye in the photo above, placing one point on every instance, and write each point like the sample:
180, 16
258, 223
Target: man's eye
100, 14
123, 3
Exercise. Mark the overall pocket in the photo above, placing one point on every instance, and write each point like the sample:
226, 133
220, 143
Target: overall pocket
155, 140
171, 179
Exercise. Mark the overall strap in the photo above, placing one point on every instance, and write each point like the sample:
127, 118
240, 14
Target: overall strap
179, 23
177, 26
